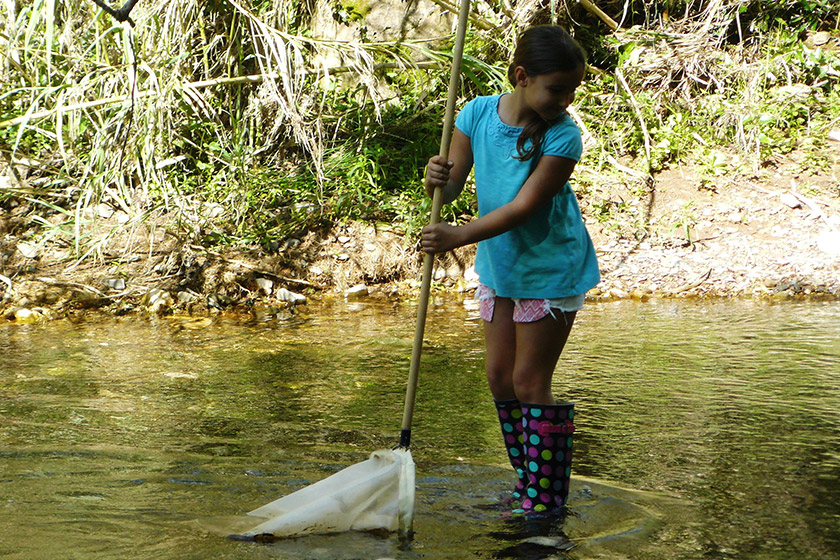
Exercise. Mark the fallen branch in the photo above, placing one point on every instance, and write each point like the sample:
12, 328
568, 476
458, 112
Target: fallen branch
812, 205
253, 268
6, 280
628, 170
76, 285
693, 284
639, 116
595, 10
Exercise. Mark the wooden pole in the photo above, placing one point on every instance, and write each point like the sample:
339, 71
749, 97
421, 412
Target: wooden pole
437, 203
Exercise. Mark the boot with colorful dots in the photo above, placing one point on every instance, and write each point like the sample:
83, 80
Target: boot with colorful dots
510, 418
547, 447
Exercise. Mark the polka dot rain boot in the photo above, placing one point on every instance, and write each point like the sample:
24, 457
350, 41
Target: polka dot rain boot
510, 418
547, 431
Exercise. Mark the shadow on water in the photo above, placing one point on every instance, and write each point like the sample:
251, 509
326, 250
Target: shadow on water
720, 420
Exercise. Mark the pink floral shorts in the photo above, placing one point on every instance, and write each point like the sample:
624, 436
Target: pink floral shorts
525, 310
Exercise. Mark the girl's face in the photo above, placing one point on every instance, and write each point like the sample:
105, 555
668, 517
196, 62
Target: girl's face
549, 95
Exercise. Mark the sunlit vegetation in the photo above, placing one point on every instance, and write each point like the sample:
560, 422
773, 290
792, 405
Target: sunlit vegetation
233, 123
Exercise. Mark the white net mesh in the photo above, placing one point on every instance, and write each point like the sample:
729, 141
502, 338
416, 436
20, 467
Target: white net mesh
374, 494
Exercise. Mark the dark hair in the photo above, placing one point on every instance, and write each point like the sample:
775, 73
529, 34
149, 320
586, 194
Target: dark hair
543, 49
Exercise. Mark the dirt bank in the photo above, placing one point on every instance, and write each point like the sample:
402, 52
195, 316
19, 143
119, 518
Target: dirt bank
772, 233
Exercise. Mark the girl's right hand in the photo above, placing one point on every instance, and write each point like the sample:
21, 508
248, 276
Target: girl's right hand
437, 174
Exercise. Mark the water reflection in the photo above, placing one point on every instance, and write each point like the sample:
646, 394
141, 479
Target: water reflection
117, 434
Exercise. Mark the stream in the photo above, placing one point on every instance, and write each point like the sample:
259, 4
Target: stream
707, 430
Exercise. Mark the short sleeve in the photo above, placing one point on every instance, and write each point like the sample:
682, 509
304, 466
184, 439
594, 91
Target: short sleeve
465, 121
563, 140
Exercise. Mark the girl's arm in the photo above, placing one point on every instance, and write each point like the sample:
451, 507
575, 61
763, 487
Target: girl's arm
450, 175
547, 179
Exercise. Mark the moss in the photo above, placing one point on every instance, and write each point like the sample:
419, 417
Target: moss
357, 10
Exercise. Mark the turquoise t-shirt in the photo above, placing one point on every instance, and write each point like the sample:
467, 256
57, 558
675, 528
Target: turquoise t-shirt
549, 256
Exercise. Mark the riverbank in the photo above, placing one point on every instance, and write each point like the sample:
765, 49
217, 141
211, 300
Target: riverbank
774, 233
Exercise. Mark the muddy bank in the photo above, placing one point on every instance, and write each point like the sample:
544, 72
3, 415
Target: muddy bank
771, 234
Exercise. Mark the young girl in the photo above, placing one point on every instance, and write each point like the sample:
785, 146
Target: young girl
535, 259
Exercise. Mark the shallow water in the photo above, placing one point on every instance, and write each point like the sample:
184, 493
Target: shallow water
705, 430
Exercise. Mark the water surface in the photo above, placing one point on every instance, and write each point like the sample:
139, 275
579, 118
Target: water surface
705, 430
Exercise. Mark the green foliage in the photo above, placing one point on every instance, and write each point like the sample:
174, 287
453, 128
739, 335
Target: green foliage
790, 16
228, 107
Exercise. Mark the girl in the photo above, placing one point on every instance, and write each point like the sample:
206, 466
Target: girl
535, 259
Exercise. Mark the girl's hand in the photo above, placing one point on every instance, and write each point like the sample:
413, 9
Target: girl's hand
440, 237
437, 174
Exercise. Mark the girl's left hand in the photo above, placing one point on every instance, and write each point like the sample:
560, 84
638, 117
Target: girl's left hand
439, 238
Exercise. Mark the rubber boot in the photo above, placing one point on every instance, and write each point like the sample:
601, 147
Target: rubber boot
510, 418
547, 431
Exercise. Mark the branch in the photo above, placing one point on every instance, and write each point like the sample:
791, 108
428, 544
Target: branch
620, 75
592, 8
478, 21
252, 78
120, 15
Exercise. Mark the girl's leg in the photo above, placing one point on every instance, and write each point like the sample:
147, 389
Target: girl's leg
500, 341
537, 349
547, 426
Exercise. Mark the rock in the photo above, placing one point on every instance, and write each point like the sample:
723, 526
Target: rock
186, 297
27, 250
557, 543
357, 291
291, 243
124, 308
104, 211
212, 210
265, 285
618, 293
218, 301
790, 200
24, 315
115, 284
89, 300
818, 39
158, 301
290, 297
